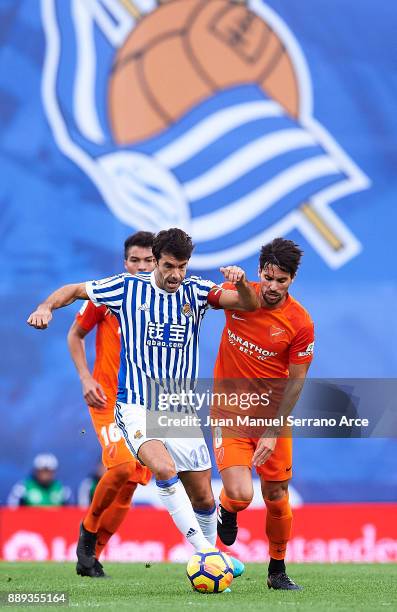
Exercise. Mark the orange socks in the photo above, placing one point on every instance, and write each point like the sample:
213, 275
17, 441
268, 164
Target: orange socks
106, 491
278, 521
233, 505
113, 516
278, 526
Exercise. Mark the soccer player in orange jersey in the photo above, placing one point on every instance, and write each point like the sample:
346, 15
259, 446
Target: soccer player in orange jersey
276, 341
113, 494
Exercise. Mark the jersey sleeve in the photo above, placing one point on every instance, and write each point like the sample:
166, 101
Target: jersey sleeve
202, 288
108, 291
90, 315
302, 346
228, 286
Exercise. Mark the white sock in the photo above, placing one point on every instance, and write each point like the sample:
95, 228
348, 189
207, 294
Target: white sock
174, 497
207, 521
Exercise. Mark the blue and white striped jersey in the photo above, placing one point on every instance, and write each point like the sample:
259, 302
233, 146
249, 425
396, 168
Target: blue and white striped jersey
159, 332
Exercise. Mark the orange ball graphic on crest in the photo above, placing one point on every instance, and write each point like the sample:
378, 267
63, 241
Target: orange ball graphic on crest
184, 52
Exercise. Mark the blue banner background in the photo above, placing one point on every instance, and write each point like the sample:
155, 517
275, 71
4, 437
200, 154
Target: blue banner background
55, 229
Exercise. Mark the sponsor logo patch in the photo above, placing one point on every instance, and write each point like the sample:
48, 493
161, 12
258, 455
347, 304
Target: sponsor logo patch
308, 352
166, 335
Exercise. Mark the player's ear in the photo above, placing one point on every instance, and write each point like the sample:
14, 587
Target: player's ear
125, 265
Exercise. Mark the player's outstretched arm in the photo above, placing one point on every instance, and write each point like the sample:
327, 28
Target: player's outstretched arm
63, 296
244, 298
93, 392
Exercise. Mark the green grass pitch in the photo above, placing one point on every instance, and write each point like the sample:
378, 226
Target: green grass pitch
164, 587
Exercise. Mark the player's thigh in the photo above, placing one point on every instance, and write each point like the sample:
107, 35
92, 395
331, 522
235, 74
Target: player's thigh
155, 456
279, 465
131, 420
149, 451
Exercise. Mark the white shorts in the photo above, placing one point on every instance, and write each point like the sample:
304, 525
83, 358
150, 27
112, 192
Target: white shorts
189, 454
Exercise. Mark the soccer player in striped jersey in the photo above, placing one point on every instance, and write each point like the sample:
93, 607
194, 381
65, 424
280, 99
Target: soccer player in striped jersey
274, 342
113, 493
160, 316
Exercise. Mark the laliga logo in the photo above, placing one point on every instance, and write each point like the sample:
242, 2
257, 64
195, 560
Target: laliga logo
196, 114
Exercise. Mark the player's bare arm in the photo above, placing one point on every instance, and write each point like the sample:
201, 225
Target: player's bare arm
293, 387
244, 298
63, 296
93, 392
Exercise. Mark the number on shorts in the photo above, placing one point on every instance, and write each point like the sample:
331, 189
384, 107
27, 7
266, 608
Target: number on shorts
110, 434
218, 436
199, 456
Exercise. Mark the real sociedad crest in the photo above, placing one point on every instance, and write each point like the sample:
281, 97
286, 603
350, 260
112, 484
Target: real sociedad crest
196, 114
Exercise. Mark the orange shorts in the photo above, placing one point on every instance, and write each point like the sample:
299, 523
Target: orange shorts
239, 451
114, 449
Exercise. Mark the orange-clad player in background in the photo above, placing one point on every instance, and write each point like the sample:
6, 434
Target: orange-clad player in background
276, 341
112, 497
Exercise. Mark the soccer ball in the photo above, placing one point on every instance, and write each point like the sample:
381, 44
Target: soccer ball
210, 571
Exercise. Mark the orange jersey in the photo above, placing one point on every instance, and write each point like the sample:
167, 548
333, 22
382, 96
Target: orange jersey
262, 343
107, 360
114, 450
256, 345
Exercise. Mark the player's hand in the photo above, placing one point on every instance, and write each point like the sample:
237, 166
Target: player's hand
93, 393
264, 449
40, 318
233, 274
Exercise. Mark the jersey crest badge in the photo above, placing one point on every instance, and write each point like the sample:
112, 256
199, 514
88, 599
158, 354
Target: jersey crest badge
277, 333
186, 309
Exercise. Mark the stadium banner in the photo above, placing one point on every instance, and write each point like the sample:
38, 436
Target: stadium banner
322, 533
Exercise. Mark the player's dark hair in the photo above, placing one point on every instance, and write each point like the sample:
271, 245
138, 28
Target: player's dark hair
139, 239
173, 241
282, 253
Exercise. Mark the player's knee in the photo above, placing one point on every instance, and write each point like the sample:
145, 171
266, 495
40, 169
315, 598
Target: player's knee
241, 492
274, 491
163, 471
122, 473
